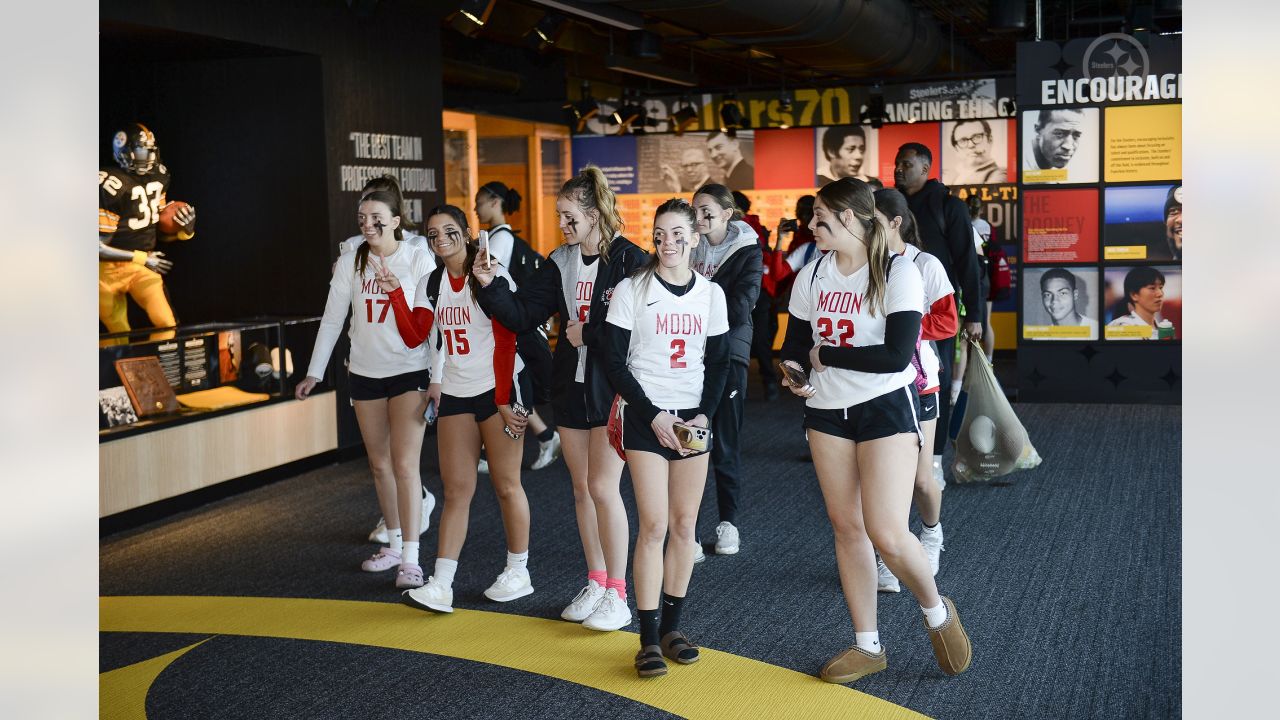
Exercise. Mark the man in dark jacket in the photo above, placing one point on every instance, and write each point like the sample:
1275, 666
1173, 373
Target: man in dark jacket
943, 224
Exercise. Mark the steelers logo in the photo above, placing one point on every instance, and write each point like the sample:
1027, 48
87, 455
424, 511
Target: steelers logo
1115, 55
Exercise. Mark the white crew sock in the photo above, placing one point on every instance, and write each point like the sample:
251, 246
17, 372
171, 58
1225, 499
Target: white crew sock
410, 553
937, 461
396, 538
519, 561
869, 641
445, 568
955, 389
935, 616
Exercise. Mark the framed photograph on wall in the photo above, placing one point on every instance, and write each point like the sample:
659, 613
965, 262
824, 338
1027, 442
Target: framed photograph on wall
1060, 303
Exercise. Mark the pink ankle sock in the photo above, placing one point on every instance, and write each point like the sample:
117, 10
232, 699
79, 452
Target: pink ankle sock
600, 576
619, 584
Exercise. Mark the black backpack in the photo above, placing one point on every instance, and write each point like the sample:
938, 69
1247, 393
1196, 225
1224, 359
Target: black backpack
525, 261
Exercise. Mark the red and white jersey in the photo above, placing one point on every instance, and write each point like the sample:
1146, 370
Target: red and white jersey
376, 348
581, 303
464, 364
669, 336
939, 296
837, 307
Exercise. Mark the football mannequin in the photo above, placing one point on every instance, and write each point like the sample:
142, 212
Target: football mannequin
131, 198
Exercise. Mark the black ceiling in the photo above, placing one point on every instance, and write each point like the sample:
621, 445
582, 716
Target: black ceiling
948, 37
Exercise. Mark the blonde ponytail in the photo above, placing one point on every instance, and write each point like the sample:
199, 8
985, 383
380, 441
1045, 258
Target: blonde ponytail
590, 190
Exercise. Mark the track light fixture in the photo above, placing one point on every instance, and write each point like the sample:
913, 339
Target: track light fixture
631, 114
583, 110
549, 29
877, 112
477, 11
731, 114
685, 117
785, 107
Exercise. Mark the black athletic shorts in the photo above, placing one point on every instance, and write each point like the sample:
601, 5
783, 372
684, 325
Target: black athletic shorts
367, 388
483, 406
880, 417
637, 434
929, 407
570, 407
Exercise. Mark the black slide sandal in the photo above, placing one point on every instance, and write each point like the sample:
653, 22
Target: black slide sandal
649, 662
677, 647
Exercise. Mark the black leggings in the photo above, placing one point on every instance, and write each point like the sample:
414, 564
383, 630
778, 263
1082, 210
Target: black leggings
764, 323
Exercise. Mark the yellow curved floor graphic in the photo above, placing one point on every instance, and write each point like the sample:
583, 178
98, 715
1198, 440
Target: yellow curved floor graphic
122, 693
722, 685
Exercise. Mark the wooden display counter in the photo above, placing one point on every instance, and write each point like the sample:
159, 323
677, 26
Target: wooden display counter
143, 468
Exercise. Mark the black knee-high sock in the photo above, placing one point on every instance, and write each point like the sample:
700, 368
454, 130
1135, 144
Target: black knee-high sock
671, 606
649, 620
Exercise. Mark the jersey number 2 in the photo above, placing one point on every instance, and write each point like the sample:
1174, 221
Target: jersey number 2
677, 346
148, 205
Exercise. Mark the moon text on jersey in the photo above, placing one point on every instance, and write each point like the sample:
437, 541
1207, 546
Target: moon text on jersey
454, 316
679, 324
840, 302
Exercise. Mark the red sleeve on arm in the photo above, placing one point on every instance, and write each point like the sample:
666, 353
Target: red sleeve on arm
779, 268
414, 325
941, 322
504, 362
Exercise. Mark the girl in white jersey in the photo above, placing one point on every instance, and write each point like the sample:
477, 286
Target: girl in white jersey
471, 388
668, 356
389, 183
940, 321
855, 320
578, 282
388, 381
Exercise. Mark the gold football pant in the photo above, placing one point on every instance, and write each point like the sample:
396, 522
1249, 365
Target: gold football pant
144, 285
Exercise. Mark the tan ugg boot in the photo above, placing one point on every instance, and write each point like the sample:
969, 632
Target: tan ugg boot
852, 664
950, 642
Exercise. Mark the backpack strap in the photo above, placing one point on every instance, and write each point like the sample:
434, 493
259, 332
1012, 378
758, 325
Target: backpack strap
433, 284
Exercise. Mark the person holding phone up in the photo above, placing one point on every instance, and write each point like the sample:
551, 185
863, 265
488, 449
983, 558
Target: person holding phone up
472, 386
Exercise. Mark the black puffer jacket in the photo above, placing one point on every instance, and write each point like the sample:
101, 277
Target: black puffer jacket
544, 296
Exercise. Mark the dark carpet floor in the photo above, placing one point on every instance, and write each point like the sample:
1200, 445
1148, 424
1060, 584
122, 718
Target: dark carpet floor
1068, 578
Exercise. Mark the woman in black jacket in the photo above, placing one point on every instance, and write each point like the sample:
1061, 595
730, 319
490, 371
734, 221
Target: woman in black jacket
728, 255
577, 282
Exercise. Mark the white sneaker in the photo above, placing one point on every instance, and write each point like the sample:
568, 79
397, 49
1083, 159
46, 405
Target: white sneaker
611, 613
698, 555
547, 452
932, 542
887, 581
434, 595
428, 504
379, 534
482, 467
511, 584
584, 603
726, 539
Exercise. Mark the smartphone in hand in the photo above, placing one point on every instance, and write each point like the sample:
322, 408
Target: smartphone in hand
484, 249
430, 414
796, 377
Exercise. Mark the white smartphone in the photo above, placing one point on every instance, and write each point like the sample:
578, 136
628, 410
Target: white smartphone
484, 248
